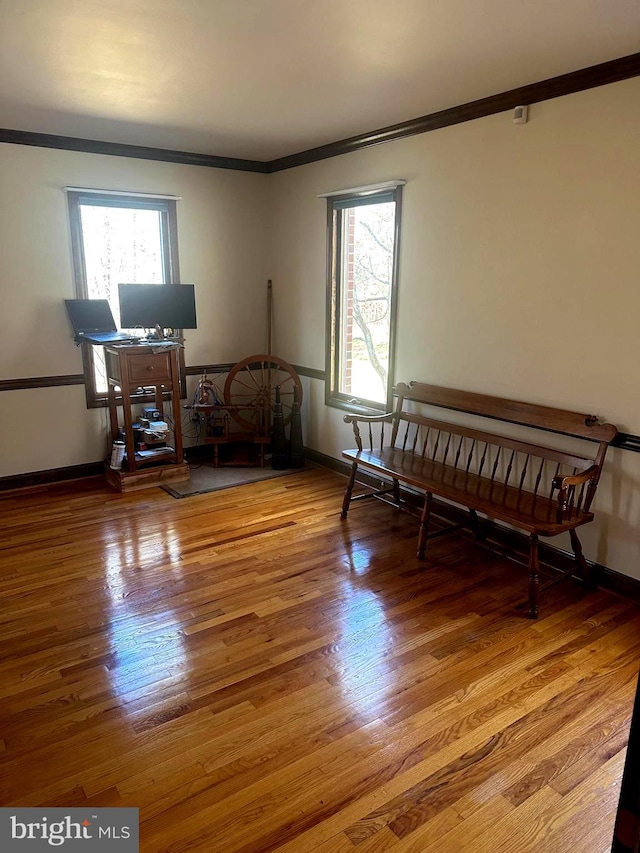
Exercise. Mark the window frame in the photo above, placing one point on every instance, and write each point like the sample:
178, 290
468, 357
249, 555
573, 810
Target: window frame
336, 204
167, 209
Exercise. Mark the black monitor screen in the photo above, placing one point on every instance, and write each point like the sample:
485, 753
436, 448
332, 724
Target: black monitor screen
90, 315
170, 306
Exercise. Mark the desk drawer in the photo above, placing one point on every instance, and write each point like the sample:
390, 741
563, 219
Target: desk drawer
147, 368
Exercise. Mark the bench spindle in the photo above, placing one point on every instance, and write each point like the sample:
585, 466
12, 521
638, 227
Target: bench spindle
523, 475
425, 443
473, 445
455, 464
405, 437
446, 450
538, 478
484, 456
416, 435
508, 474
552, 490
495, 465
435, 447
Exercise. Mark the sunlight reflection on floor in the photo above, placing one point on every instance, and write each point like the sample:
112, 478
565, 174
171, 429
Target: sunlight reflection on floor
146, 640
364, 653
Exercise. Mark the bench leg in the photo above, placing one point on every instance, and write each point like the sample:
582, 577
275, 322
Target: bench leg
348, 491
585, 571
396, 491
534, 580
424, 524
479, 528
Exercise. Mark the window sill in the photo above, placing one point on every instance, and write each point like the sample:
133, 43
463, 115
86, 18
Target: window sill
355, 406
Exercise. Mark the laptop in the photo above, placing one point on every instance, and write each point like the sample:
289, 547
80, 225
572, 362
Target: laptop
93, 322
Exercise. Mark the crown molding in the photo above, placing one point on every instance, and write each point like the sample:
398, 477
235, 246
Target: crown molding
118, 149
555, 87
566, 84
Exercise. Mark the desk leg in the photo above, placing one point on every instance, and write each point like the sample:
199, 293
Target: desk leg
113, 412
125, 398
175, 398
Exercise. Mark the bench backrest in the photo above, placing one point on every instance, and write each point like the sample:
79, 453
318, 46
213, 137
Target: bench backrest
525, 465
512, 411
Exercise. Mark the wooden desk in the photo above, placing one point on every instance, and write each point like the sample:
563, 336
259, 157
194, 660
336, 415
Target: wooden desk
144, 366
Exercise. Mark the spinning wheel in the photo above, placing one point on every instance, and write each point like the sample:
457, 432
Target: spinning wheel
250, 391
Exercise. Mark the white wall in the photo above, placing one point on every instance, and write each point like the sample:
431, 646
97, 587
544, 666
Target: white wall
519, 277
518, 272
221, 232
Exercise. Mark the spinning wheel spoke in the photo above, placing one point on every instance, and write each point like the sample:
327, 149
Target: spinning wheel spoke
244, 385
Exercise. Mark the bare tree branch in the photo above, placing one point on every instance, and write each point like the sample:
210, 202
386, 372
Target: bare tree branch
375, 238
368, 271
368, 340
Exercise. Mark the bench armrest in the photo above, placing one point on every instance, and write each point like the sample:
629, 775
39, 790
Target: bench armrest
354, 420
561, 482
567, 487
369, 419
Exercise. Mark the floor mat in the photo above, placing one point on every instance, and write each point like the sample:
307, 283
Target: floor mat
206, 478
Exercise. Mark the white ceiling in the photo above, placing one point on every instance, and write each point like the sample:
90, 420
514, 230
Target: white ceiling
261, 79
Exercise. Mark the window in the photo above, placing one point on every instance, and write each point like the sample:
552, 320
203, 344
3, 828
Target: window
118, 238
362, 283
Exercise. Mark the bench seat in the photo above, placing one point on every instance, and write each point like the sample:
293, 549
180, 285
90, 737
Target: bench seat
532, 513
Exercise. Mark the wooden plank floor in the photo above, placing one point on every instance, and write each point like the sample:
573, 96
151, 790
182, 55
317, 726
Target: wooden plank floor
257, 675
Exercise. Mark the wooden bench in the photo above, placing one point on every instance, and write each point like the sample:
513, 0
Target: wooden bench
537, 489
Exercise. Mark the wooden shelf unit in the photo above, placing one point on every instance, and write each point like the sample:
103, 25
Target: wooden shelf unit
144, 366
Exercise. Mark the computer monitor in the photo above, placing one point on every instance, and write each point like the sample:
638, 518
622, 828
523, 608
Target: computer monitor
167, 306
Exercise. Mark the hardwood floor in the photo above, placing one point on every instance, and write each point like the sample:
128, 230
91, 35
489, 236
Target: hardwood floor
256, 675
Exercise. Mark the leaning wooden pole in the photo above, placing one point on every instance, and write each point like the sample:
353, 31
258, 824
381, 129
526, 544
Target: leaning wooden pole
269, 314
269, 329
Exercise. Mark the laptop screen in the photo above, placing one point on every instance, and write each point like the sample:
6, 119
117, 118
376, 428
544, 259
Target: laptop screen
90, 315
